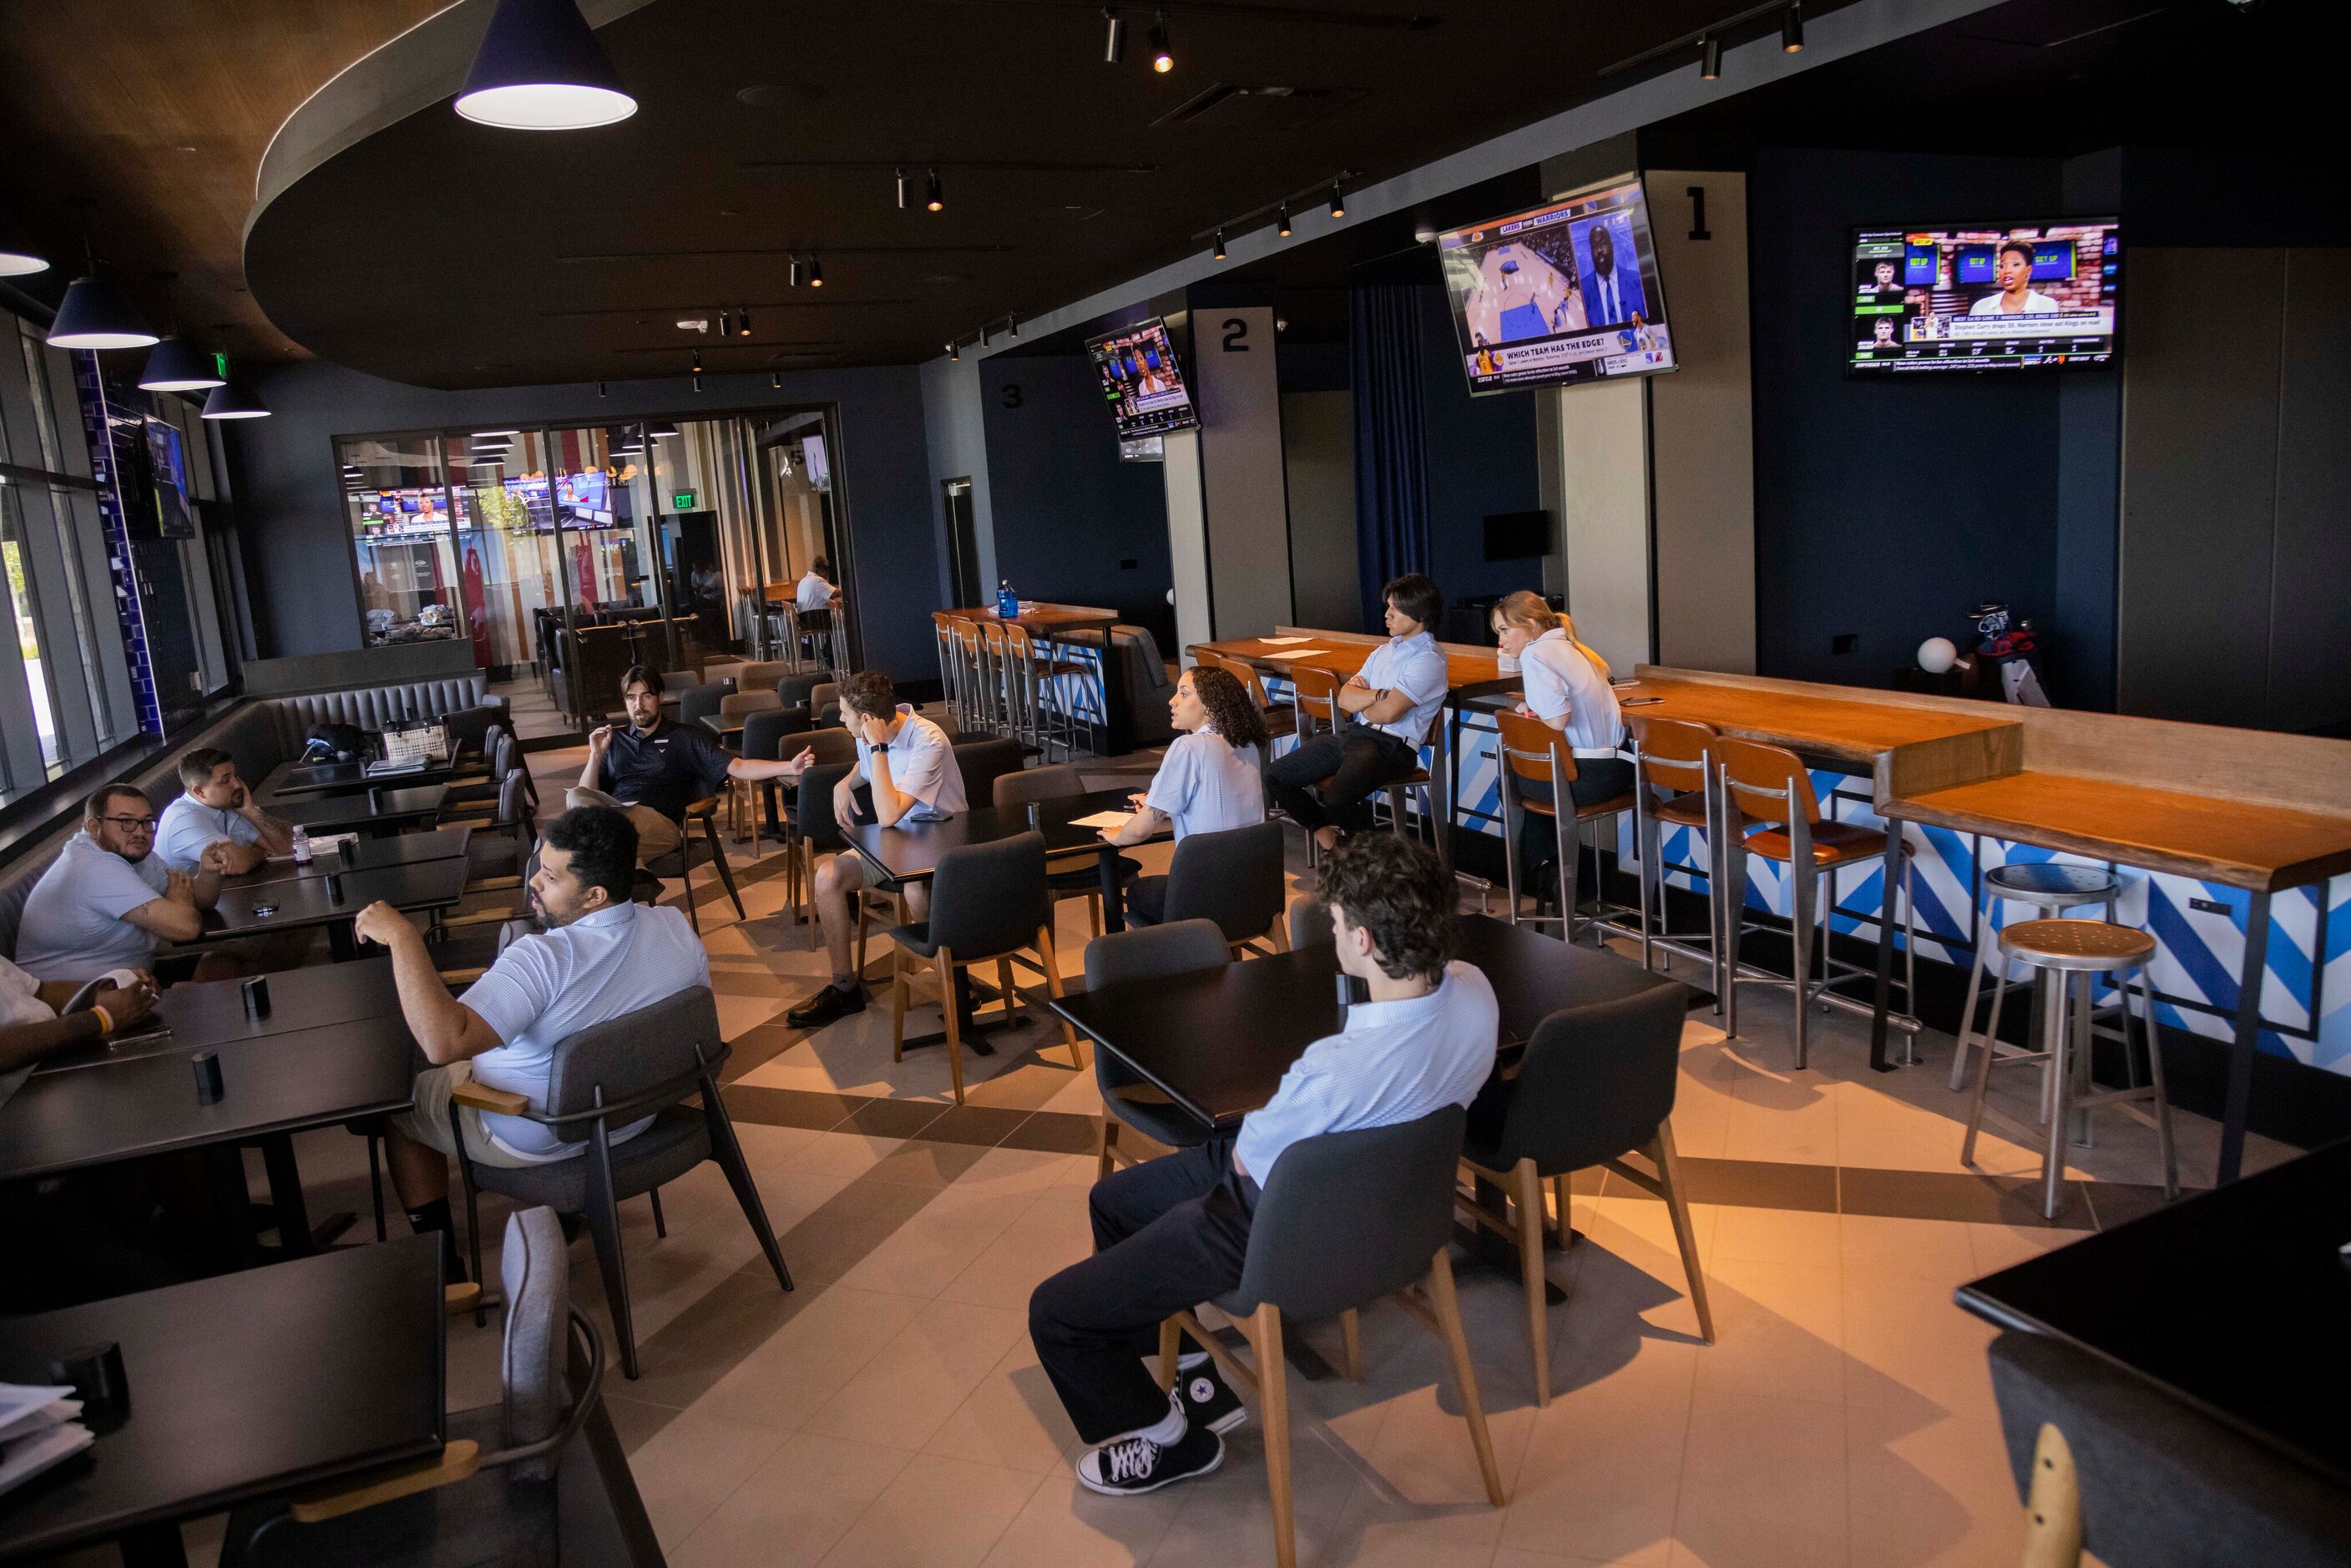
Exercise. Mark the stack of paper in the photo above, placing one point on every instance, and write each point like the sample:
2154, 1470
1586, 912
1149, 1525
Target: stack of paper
1111, 819
38, 1429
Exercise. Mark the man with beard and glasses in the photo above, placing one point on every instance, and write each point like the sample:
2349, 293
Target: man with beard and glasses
108, 899
600, 957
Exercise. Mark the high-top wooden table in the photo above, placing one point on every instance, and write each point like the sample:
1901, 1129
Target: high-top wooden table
1468, 672
1056, 622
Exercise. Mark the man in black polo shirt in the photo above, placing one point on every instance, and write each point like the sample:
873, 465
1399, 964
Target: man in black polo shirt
656, 768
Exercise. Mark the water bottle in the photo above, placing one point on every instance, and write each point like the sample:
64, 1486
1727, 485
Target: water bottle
301, 846
1007, 604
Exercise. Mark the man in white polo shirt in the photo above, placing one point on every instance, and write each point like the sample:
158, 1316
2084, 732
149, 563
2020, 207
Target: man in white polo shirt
216, 808
1391, 702
1173, 1232
107, 900
601, 957
815, 590
910, 765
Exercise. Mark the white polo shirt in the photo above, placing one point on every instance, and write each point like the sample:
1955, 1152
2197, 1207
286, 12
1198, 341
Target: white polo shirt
189, 826
1205, 785
548, 987
1392, 1062
1560, 680
72, 927
1415, 666
922, 763
20, 997
814, 593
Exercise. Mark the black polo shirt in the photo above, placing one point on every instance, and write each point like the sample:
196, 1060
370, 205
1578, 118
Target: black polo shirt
668, 769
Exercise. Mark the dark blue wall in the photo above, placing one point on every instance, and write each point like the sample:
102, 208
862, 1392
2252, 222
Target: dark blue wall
1069, 515
1887, 509
297, 545
1481, 460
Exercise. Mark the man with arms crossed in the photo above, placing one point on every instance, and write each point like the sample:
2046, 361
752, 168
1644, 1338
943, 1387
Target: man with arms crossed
654, 769
216, 808
911, 766
109, 899
1173, 1232
601, 957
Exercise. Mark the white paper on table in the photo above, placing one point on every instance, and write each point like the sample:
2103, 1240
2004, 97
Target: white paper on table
28, 1456
18, 1400
1284, 642
1113, 820
54, 1412
1296, 652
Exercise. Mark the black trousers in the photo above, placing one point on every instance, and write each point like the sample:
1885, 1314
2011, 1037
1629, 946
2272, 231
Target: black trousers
1169, 1234
1327, 778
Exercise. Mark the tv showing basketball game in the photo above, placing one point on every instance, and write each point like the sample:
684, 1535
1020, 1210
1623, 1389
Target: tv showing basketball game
1992, 297
1567, 292
1141, 382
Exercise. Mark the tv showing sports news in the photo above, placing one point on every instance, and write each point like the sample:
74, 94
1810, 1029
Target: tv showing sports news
1565, 293
582, 499
1141, 382
1987, 296
167, 466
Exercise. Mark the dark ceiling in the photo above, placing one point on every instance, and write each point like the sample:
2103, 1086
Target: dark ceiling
444, 254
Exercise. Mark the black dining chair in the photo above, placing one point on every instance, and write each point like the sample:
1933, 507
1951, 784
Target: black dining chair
797, 690
988, 904
681, 861
1310, 922
1077, 875
699, 702
1234, 878
1596, 1083
1146, 953
494, 849
764, 736
1346, 1219
647, 1062
491, 1494
983, 762
815, 832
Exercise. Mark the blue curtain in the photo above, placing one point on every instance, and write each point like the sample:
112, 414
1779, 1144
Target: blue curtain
1384, 354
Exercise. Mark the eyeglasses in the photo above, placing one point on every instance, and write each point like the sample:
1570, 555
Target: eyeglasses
131, 824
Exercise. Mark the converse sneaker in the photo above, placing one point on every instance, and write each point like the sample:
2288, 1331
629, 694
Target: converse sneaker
1134, 1466
1210, 1402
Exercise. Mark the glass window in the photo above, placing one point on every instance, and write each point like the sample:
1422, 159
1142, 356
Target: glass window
24, 606
506, 560
396, 497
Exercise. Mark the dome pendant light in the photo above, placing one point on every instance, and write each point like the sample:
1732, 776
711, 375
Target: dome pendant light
93, 315
15, 261
175, 365
540, 68
230, 399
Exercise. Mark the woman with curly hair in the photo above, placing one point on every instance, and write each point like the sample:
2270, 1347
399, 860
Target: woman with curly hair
1209, 781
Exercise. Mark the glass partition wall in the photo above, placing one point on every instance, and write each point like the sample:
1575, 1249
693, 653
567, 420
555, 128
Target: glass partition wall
568, 553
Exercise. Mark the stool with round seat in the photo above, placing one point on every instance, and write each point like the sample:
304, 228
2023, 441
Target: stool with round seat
2071, 948
1674, 784
1531, 749
2047, 886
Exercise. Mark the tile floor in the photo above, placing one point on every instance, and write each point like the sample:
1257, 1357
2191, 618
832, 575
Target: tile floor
890, 1411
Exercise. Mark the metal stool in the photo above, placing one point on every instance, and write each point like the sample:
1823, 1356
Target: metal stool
2068, 949
1531, 748
943, 629
2047, 886
1674, 782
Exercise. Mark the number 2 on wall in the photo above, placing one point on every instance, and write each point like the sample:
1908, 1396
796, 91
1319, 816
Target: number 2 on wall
1236, 335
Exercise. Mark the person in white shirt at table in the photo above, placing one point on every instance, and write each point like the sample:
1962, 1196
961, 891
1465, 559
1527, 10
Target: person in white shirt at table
215, 807
1208, 783
108, 899
910, 764
31, 1027
1567, 688
1173, 1232
602, 955
815, 590
1390, 702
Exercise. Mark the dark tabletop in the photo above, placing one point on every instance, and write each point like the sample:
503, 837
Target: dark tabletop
337, 812
296, 779
148, 1105
309, 900
910, 850
1218, 1042
202, 1014
2234, 1300
365, 854
240, 1386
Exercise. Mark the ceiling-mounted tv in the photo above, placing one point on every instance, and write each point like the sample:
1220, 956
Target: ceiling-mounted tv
1141, 382
1986, 297
1564, 293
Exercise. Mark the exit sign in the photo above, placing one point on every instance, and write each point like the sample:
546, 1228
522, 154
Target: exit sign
683, 501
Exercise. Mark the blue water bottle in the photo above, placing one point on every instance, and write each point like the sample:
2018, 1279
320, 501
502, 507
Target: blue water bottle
1007, 604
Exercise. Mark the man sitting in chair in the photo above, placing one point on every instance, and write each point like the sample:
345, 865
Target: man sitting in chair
655, 768
911, 766
1173, 1232
601, 957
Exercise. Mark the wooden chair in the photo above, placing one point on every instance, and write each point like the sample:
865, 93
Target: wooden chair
1314, 699
1279, 719
1674, 784
1531, 749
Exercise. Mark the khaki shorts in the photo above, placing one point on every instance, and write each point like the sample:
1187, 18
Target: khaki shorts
428, 1121
656, 834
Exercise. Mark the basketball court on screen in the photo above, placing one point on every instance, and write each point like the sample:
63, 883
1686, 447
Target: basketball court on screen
1520, 296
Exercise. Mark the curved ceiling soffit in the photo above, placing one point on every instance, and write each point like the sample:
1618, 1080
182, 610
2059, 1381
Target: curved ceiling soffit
415, 70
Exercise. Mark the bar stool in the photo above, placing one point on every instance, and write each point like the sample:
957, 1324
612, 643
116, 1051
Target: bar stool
1035, 675
2071, 948
1315, 699
943, 623
1529, 749
2047, 886
1771, 786
1673, 783
1278, 721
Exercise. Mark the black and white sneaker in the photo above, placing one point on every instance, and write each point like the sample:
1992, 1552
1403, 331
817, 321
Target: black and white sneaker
1209, 1403
1133, 1466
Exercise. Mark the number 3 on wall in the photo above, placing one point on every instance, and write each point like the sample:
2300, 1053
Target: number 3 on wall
1236, 335
1011, 394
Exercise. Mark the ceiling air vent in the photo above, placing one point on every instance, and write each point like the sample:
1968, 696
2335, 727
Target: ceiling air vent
1234, 106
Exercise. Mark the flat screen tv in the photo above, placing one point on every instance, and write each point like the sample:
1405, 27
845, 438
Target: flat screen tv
1141, 382
583, 499
1985, 297
1563, 294
167, 466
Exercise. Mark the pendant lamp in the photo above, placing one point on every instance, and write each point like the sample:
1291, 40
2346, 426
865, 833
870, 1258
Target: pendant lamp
230, 399
540, 69
93, 315
175, 365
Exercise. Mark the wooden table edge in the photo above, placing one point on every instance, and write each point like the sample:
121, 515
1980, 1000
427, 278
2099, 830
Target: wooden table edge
2253, 878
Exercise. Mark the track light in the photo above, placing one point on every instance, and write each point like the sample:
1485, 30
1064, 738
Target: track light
1220, 244
540, 69
1791, 29
1162, 60
723, 328
954, 353
1283, 229
1338, 207
697, 361
932, 201
1709, 59
1115, 46
743, 322
815, 273
1013, 322
902, 189
775, 380
796, 265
